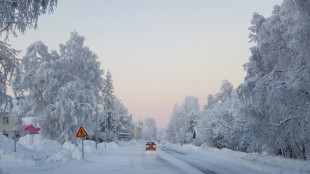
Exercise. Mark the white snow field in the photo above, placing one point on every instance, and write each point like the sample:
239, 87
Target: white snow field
47, 156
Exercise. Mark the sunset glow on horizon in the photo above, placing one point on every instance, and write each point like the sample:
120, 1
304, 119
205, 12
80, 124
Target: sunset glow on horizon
157, 51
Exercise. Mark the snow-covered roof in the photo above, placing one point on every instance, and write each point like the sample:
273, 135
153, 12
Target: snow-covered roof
30, 121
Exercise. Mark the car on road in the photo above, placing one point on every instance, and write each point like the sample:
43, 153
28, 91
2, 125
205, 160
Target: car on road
150, 145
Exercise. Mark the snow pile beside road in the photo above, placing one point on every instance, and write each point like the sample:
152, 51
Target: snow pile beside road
48, 150
262, 162
10, 159
265, 163
89, 146
76, 151
111, 145
42, 152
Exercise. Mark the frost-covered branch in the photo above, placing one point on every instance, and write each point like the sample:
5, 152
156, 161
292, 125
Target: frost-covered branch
23, 14
10, 1
4, 28
287, 120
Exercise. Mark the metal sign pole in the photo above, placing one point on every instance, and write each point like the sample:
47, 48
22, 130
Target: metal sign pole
82, 133
14, 141
82, 149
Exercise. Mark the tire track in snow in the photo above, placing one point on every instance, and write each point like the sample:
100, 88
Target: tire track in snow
172, 151
184, 165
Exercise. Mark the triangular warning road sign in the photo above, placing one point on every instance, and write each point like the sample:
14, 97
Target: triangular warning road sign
81, 132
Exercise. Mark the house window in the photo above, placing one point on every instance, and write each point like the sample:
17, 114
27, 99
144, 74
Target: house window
5, 120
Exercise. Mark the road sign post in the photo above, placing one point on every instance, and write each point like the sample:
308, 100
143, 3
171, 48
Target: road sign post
14, 137
82, 133
14, 140
82, 148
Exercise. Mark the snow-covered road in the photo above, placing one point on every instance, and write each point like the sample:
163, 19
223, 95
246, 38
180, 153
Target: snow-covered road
128, 158
131, 158
209, 164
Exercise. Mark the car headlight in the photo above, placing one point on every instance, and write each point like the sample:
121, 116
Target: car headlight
147, 146
154, 147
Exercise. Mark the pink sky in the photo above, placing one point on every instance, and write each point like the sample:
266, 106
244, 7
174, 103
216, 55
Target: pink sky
158, 51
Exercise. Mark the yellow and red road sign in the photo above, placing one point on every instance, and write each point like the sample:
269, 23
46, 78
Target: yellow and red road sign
81, 132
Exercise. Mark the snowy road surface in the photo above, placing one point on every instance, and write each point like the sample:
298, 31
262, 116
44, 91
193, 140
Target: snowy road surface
209, 165
132, 158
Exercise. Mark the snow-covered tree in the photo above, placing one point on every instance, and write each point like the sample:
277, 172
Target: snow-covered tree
222, 126
176, 130
226, 91
211, 101
9, 68
183, 121
61, 89
161, 135
149, 130
124, 118
110, 123
276, 89
16, 16
222, 123
191, 109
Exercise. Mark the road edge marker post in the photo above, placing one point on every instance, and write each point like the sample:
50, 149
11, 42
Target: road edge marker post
82, 133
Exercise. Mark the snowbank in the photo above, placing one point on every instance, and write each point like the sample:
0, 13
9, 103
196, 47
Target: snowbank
10, 159
43, 152
111, 145
265, 163
46, 150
